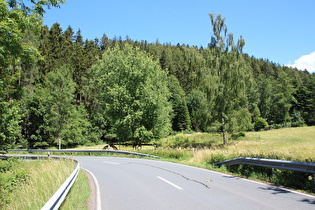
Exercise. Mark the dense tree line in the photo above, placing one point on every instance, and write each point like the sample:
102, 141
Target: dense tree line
57, 89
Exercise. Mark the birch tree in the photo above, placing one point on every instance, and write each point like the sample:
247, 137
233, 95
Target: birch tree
230, 78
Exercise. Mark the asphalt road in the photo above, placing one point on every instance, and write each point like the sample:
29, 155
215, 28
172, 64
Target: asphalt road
127, 183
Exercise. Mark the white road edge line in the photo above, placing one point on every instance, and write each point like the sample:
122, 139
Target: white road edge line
98, 193
168, 182
114, 163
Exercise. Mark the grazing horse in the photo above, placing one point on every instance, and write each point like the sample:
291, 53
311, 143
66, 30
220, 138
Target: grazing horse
110, 146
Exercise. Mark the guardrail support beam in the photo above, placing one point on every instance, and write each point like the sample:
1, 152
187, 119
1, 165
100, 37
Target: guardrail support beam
278, 164
272, 172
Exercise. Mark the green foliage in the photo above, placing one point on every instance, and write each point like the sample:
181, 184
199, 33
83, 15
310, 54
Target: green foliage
16, 22
198, 108
172, 154
133, 94
226, 79
37, 6
53, 118
57, 97
13, 25
9, 179
297, 180
15, 50
46, 74
282, 99
181, 118
10, 129
297, 119
279, 177
78, 129
6, 164
259, 122
305, 102
189, 141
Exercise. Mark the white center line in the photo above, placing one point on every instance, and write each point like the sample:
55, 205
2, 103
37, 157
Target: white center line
168, 182
114, 163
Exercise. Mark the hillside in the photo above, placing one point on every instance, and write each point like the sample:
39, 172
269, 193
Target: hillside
59, 90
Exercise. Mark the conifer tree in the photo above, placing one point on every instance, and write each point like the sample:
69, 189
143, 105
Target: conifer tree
181, 118
282, 99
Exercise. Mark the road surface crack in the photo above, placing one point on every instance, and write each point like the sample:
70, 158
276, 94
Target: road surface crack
173, 172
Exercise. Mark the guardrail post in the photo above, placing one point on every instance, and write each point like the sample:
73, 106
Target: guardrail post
272, 172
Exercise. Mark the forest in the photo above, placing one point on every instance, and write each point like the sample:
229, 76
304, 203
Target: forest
58, 89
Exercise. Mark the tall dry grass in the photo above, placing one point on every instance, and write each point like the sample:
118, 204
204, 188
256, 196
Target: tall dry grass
297, 144
43, 178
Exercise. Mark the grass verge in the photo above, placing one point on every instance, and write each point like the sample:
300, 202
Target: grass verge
30, 184
78, 196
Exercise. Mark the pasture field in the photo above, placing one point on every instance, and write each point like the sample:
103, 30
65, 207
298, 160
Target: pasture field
296, 144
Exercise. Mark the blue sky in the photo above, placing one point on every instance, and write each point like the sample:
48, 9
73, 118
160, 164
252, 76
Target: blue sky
279, 30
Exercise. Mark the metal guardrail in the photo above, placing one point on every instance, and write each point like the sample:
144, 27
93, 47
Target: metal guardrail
56, 200
87, 151
279, 164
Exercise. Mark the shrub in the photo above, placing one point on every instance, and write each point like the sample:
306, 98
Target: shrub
260, 123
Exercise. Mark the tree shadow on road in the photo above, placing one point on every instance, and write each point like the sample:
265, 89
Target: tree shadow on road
310, 201
276, 190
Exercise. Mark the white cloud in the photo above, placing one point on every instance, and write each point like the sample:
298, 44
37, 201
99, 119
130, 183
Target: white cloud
305, 62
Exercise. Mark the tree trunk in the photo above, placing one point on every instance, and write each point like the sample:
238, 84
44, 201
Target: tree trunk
59, 142
224, 131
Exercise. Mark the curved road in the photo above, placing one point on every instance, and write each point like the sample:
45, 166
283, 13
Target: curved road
127, 183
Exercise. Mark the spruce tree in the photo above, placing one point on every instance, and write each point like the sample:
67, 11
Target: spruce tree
181, 118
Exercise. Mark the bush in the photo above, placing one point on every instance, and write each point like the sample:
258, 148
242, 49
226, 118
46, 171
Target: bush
260, 123
6, 164
279, 177
10, 179
238, 135
168, 153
